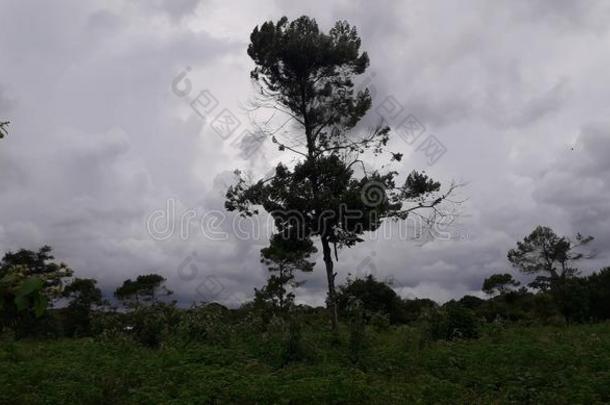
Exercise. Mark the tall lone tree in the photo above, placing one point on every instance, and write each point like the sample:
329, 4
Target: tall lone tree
308, 76
549, 256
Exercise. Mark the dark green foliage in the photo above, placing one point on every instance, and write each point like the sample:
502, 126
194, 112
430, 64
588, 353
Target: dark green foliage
414, 309
83, 296
20, 295
286, 254
302, 66
572, 298
514, 364
471, 302
309, 75
206, 323
453, 322
551, 258
548, 256
499, 283
145, 289
599, 294
357, 344
294, 342
148, 325
29, 281
39, 264
519, 306
108, 324
375, 297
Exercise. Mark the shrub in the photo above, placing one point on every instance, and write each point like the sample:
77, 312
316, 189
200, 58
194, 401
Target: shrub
204, 323
375, 297
453, 322
379, 321
293, 349
572, 299
147, 325
414, 309
357, 330
599, 287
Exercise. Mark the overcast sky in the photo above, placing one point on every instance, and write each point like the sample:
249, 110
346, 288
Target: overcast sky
102, 139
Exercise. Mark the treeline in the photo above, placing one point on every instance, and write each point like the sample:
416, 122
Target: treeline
32, 283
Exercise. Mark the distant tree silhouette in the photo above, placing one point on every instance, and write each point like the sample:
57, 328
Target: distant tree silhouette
284, 256
471, 302
547, 255
83, 296
308, 75
145, 288
415, 308
375, 297
499, 283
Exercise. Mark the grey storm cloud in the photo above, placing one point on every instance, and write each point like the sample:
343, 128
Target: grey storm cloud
100, 143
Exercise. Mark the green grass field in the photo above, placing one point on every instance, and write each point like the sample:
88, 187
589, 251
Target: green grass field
559, 365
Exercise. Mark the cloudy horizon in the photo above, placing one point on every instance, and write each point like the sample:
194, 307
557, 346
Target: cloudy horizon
112, 108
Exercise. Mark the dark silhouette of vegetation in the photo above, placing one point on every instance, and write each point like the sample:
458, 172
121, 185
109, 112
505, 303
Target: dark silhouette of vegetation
599, 296
284, 256
381, 337
453, 322
375, 297
552, 258
499, 283
144, 289
309, 76
29, 282
84, 296
548, 256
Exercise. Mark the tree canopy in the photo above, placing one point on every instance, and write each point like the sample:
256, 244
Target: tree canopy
548, 255
499, 283
308, 76
145, 287
29, 281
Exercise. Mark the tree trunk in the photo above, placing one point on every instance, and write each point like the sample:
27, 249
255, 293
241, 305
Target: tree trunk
330, 275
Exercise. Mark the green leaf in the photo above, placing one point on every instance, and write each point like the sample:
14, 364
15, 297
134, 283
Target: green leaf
40, 305
30, 285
